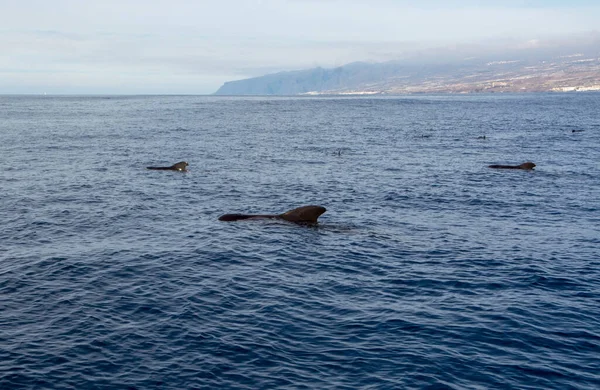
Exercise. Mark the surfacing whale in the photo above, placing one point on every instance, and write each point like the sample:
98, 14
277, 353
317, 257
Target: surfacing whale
180, 166
304, 214
526, 165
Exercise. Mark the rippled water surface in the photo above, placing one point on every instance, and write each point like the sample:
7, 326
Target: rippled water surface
429, 270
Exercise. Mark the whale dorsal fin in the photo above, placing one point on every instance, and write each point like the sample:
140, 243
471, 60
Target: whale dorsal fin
527, 165
180, 166
304, 214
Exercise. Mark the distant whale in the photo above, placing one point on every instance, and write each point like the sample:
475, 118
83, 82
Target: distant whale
304, 214
180, 166
526, 165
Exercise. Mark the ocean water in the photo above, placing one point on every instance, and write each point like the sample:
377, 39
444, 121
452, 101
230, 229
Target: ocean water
428, 270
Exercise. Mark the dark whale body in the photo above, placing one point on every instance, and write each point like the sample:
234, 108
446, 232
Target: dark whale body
527, 166
304, 214
180, 166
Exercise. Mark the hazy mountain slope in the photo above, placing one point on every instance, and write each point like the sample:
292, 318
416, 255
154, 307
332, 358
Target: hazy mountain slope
534, 66
303, 81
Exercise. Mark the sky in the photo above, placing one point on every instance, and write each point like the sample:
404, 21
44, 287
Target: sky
194, 46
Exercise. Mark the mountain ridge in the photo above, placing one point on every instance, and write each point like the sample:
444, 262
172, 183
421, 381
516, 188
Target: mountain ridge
533, 67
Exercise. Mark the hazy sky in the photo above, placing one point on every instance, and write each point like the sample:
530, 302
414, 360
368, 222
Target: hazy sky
194, 46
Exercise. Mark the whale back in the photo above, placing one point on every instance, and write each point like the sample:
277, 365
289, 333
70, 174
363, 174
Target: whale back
239, 217
304, 214
526, 165
180, 166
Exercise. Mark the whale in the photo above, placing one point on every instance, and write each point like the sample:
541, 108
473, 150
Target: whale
180, 166
301, 215
526, 165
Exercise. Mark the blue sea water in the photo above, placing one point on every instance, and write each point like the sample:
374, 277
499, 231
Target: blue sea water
429, 270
